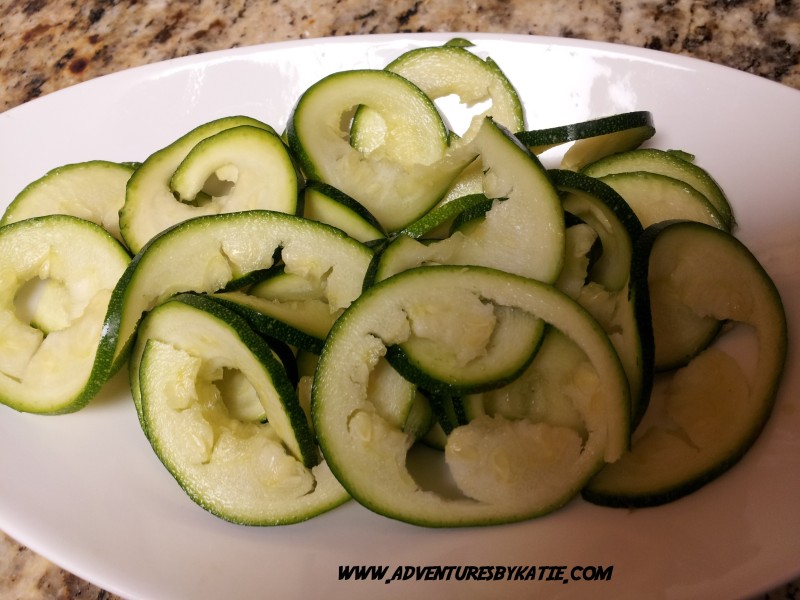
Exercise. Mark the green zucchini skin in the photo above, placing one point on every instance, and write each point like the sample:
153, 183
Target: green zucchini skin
662, 465
670, 163
619, 273
229, 164
202, 441
51, 363
375, 475
199, 246
561, 134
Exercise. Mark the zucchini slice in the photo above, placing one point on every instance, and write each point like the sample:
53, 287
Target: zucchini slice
448, 71
680, 332
400, 178
301, 323
438, 222
615, 292
370, 455
56, 278
521, 192
600, 206
463, 345
671, 163
231, 164
655, 197
216, 249
92, 190
593, 139
192, 354
715, 407
326, 204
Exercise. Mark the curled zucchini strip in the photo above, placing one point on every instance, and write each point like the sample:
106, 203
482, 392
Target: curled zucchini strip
223, 416
713, 409
369, 453
408, 165
56, 278
214, 250
92, 190
228, 165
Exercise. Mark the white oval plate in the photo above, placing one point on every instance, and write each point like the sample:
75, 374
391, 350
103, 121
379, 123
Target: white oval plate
86, 491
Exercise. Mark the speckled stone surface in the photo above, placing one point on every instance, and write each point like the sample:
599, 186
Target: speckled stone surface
45, 45
48, 45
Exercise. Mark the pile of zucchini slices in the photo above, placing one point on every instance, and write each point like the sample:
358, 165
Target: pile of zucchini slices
371, 306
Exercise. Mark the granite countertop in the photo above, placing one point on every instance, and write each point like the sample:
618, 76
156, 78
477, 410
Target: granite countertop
48, 45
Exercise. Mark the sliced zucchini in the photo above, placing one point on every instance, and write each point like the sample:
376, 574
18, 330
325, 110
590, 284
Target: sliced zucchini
437, 223
716, 406
461, 344
396, 180
287, 287
215, 249
617, 226
671, 163
544, 392
300, 323
535, 467
655, 198
593, 139
616, 292
522, 193
56, 279
230, 164
402, 253
93, 190
472, 215
324, 203
221, 339
449, 71
242, 470
680, 332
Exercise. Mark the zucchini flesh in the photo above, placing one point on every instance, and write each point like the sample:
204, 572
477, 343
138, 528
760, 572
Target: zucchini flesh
326, 204
93, 190
437, 223
447, 70
680, 332
655, 198
226, 165
56, 278
245, 471
216, 249
713, 410
522, 193
543, 392
399, 179
666, 162
580, 241
593, 139
368, 454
